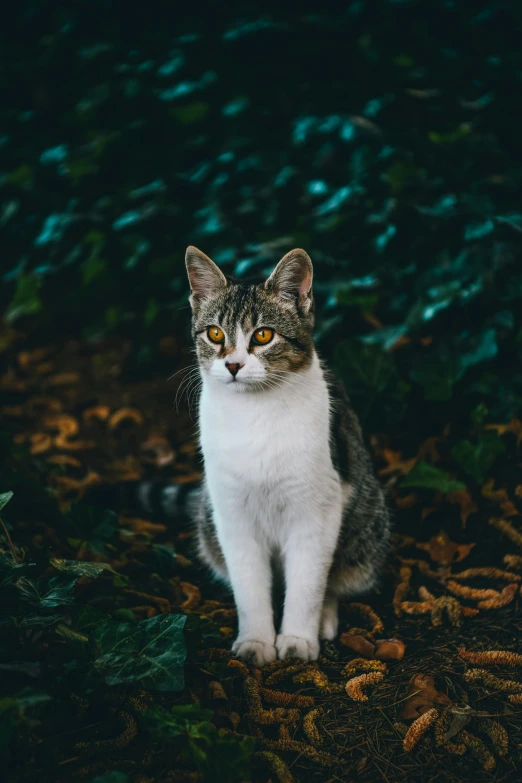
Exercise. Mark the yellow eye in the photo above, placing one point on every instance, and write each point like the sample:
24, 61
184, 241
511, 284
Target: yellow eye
215, 334
262, 336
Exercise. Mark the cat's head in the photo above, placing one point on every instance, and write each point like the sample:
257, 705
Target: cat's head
252, 336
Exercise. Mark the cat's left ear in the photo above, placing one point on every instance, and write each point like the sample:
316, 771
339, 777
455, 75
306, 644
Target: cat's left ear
292, 278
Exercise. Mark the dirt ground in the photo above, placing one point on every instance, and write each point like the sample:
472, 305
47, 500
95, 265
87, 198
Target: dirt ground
450, 592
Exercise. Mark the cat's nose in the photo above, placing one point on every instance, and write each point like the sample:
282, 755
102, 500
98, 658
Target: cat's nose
233, 368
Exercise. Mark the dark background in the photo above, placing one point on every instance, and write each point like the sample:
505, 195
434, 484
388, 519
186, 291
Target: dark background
384, 138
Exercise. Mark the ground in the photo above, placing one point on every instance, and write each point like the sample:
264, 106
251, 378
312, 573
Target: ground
78, 420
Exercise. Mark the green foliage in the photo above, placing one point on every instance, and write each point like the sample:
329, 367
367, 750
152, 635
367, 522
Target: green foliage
371, 376
10, 570
476, 459
151, 653
429, 477
16, 710
216, 753
112, 777
81, 568
47, 593
88, 526
437, 378
26, 299
5, 497
166, 725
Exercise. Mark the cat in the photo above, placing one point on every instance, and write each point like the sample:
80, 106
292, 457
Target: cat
288, 484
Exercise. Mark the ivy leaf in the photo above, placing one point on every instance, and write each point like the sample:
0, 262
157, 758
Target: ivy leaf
164, 560
429, 477
219, 754
10, 570
216, 753
475, 459
165, 724
152, 652
90, 527
5, 497
47, 594
80, 568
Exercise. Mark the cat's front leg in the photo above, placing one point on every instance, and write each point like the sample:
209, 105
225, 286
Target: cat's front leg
250, 575
308, 557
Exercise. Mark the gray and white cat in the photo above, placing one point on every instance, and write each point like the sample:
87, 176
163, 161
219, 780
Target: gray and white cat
288, 484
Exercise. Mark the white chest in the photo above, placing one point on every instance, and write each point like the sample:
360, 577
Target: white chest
268, 448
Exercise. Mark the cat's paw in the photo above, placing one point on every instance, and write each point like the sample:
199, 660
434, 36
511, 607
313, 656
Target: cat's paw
297, 647
254, 651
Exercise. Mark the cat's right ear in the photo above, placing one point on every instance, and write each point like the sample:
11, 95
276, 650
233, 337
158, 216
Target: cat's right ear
204, 276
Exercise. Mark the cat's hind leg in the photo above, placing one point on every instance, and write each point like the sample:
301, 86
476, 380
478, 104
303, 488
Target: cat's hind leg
329, 617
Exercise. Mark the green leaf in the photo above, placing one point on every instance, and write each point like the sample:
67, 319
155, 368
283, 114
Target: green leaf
165, 724
91, 527
112, 777
437, 377
125, 614
217, 753
47, 594
152, 652
10, 570
80, 568
5, 497
26, 299
475, 459
164, 560
429, 477
190, 113
119, 580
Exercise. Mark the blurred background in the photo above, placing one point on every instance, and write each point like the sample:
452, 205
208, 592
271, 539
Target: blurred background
383, 137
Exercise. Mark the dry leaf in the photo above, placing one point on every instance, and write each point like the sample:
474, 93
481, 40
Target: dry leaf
408, 501
63, 379
467, 505
64, 459
514, 426
40, 442
421, 696
101, 412
396, 465
389, 649
442, 549
358, 644
123, 414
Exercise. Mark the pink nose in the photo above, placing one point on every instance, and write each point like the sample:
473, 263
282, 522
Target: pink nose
233, 368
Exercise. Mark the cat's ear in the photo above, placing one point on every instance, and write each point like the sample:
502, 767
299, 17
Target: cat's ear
205, 278
292, 278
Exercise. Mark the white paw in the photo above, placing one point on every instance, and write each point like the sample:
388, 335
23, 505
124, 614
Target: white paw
254, 651
297, 647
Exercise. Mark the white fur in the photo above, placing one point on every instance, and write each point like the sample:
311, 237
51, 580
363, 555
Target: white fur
275, 493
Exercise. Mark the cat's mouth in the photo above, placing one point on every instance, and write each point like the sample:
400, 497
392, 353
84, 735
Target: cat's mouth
245, 383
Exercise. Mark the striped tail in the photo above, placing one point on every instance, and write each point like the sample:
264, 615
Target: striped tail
158, 499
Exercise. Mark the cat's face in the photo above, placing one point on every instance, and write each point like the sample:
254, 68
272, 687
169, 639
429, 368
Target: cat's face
251, 337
